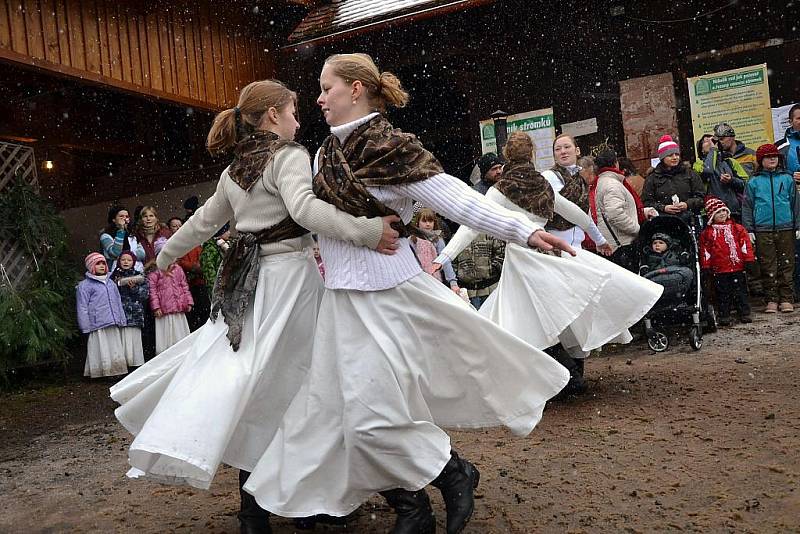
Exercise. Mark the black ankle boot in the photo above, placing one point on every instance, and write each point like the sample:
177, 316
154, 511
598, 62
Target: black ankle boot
457, 482
413, 509
576, 385
252, 518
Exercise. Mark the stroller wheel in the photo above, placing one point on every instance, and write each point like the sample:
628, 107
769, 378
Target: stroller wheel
696, 338
658, 341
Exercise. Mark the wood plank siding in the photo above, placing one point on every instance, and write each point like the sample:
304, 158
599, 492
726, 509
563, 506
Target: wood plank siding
184, 52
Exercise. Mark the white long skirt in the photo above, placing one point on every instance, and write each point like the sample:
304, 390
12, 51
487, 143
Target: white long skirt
389, 368
170, 329
531, 303
104, 354
200, 403
132, 345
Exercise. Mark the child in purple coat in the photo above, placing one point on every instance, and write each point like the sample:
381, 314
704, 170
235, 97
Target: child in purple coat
100, 315
170, 300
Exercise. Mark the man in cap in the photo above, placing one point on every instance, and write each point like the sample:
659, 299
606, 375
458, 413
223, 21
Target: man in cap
491, 167
730, 147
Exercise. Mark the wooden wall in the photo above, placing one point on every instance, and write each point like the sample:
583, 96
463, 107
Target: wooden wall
181, 51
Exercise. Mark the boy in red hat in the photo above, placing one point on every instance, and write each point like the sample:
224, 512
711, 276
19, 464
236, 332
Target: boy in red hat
725, 248
770, 215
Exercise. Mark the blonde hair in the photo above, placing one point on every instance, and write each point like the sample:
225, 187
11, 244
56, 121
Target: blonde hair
255, 99
383, 88
519, 148
562, 136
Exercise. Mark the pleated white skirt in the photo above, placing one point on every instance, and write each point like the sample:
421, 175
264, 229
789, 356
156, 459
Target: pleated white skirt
389, 368
543, 299
132, 345
104, 354
170, 329
199, 403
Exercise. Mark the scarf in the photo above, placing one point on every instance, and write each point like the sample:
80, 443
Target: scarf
576, 190
522, 184
252, 155
725, 230
375, 154
238, 273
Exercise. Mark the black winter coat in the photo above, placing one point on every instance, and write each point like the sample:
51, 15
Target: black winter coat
681, 180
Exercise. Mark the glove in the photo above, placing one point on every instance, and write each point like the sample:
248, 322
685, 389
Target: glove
752, 237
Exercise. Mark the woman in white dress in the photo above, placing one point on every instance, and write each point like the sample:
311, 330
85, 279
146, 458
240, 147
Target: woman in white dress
219, 394
531, 305
397, 355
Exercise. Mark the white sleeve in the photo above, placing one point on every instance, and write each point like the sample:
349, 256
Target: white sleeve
453, 199
214, 213
574, 214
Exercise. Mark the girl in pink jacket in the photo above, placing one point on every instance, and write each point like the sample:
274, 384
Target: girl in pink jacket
170, 300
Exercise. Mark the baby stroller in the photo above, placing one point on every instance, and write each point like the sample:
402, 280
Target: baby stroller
682, 301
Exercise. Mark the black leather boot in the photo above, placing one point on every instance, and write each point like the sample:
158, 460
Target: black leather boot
413, 509
457, 482
252, 518
576, 385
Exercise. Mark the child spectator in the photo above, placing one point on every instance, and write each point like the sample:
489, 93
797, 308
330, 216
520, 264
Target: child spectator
430, 245
662, 254
318, 257
211, 257
133, 290
170, 299
725, 248
770, 216
100, 315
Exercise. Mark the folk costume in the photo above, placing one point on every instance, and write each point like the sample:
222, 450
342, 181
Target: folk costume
583, 301
220, 394
397, 354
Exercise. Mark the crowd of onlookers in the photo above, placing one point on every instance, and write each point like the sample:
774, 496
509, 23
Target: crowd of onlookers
741, 203
129, 308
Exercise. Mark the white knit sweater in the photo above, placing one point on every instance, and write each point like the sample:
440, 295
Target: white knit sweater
284, 189
348, 266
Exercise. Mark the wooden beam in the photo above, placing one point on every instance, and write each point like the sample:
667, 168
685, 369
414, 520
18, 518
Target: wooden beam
100, 80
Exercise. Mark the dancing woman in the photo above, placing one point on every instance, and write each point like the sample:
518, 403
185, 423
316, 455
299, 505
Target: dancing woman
219, 394
532, 299
397, 355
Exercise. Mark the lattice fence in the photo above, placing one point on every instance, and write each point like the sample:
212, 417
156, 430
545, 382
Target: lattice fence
15, 160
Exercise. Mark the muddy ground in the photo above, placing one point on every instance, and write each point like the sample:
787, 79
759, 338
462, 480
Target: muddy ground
695, 441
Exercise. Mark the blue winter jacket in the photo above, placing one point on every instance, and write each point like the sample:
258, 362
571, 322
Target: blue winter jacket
99, 304
771, 202
789, 147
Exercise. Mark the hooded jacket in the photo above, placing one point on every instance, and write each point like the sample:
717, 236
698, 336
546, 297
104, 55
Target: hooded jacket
789, 147
712, 167
98, 304
771, 202
725, 248
169, 291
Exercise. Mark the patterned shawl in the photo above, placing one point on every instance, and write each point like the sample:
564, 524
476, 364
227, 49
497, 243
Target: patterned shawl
522, 184
576, 190
375, 154
252, 155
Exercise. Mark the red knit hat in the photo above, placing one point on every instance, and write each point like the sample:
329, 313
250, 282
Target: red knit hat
713, 205
765, 151
666, 147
